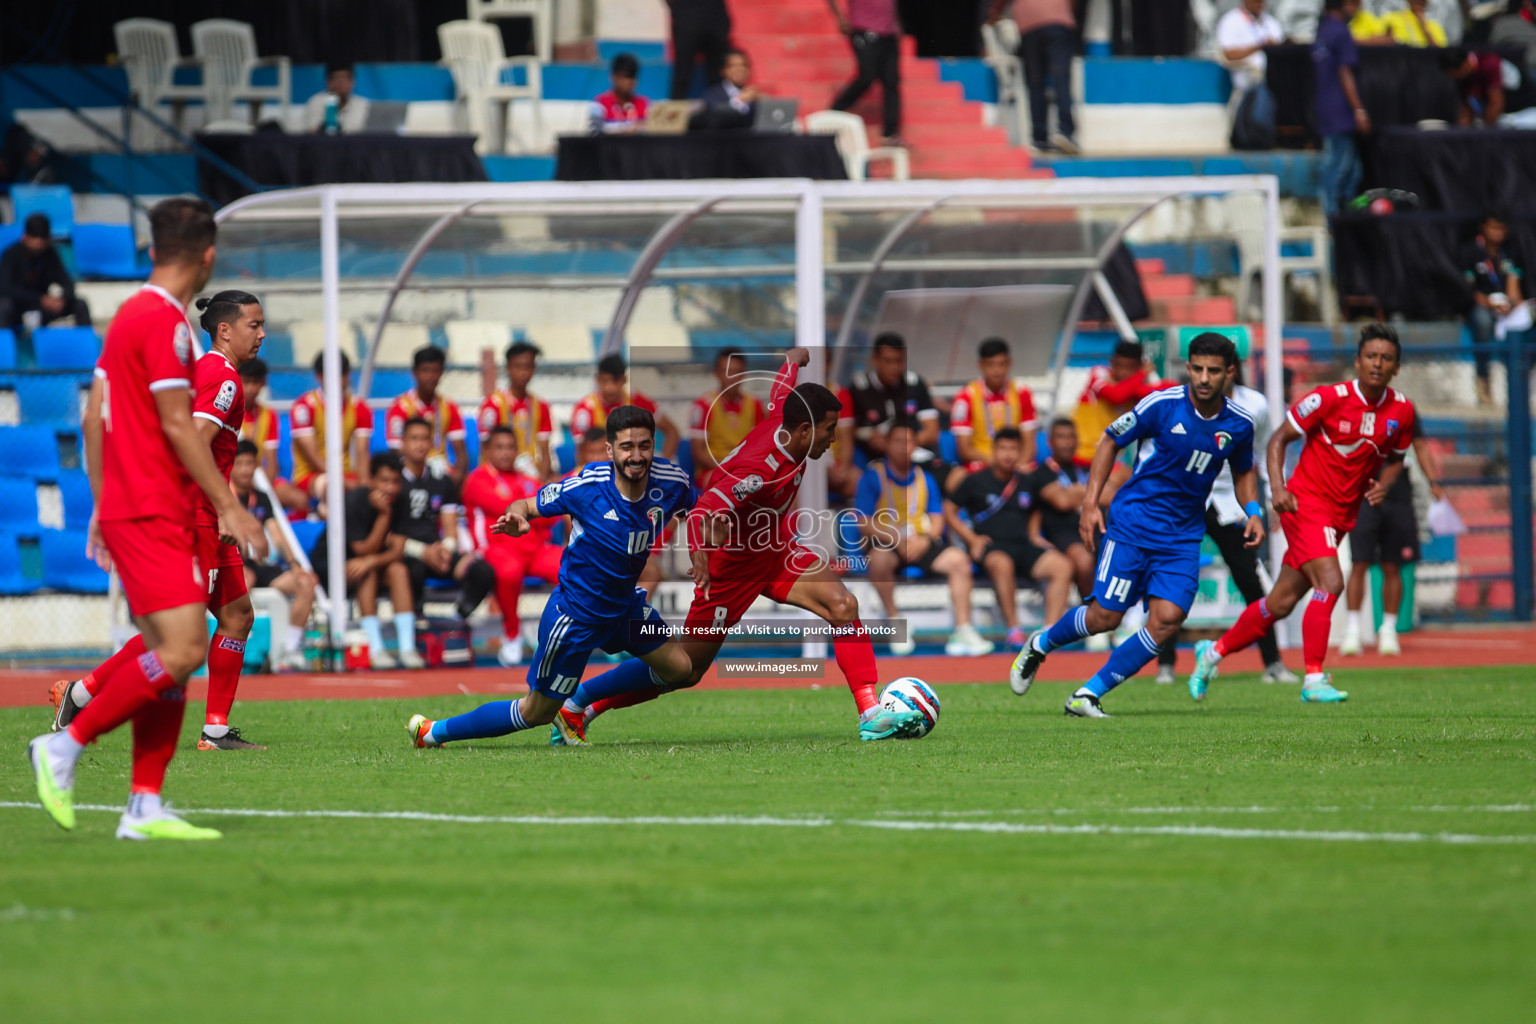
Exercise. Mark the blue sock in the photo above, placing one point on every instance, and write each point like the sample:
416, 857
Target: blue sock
497, 718
1124, 662
632, 675
370, 624
1068, 629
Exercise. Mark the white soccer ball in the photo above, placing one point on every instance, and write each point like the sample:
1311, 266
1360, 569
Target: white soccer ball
912, 694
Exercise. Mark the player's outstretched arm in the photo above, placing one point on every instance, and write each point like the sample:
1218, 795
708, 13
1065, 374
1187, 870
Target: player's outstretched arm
1091, 521
1274, 453
175, 408
514, 521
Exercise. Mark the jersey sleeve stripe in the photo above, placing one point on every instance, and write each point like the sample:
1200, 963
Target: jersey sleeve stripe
210, 417
1291, 418
168, 383
1159, 396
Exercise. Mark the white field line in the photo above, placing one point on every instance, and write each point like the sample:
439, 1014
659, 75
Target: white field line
996, 827
1255, 809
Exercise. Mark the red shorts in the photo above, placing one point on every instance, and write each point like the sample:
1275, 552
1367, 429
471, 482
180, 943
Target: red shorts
736, 579
223, 566
1309, 536
156, 558
303, 482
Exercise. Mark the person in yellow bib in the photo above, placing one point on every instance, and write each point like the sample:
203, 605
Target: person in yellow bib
1111, 391
522, 412
1414, 27
721, 419
901, 516
612, 379
306, 428
987, 405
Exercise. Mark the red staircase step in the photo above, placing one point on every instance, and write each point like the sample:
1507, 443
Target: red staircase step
1167, 286
1151, 266
1194, 309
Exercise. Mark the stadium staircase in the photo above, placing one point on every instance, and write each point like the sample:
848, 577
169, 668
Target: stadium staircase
798, 52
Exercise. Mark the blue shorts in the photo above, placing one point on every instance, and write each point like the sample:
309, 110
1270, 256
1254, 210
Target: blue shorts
1127, 573
566, 642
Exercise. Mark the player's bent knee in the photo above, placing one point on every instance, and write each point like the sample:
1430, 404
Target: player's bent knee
1101, 620
842, 608
237, 618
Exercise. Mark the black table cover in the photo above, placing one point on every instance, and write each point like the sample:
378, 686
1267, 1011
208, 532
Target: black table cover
727, 154
1399, 85
272, 158
1464, 170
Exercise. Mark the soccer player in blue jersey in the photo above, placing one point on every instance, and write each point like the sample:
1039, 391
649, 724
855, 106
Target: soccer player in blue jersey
1152, 547
617, 509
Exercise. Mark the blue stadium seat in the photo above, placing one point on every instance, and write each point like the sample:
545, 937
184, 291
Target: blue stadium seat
72, 348
75, 490
57, 201
18, 504
50, 398
10, 234
565, 456
12, 581
107, 251
7, 343
277, 348
306, 532
65, 566
29, 450
284, 447
948, 450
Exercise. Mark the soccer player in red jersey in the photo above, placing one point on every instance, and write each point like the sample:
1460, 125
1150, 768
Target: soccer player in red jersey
425, 402
741, 538
1350, 430
526, 413
143, 454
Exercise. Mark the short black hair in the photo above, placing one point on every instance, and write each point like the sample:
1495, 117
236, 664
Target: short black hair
593, 434
386, 460
612, 366
223, 308
333, 66
729, 352
1452, 57
1064, 423
625, 65
521, 348
628, 417
1129, 350
346, 364
254, 369
734, 52
500, 430
181, 229
38, 226
1380, 332
1498, 215
413, 422
247, 448
1333, 5
991, 347
890, 339
1210, 343
1008, 434
428, 354
809, 403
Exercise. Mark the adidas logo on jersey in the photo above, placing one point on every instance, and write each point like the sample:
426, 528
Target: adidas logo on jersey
611, 514
1178, 428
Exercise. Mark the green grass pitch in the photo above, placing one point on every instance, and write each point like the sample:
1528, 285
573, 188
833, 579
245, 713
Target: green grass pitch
1251, 860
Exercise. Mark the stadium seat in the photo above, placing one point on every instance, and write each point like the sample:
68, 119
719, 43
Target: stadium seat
65, 565
562, 343
467, 338
564, 455
50, 398
30, 450
398, 343
309, 341
72, 348
306, 532
56, 201
10, 234
107, 252
18, 503
12, 581
7, 345
75, 492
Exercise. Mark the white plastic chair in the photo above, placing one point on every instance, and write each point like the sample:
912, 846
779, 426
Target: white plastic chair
228, 52
562, 343
398, 343
468, 338
1244, 217
148, 52
1000, 50
473, 55
538, 10
853, 144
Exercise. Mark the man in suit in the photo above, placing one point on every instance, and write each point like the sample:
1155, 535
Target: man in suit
732, 101
699, 27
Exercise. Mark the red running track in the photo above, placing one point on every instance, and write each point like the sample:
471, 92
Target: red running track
1448, 648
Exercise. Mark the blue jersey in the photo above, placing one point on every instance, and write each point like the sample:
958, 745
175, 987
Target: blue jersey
611, 536
1164, 500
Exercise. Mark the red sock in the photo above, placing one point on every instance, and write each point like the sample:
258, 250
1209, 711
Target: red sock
1252, 624
856, 657
1316, 624
123, 694
156, 728
226, 656
623, 700
94, 679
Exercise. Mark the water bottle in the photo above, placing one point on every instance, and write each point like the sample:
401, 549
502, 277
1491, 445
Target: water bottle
315, 644
332, 114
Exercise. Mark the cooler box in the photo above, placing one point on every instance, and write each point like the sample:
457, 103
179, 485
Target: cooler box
444, 643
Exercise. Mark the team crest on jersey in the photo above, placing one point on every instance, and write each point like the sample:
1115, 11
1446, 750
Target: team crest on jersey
548, 495
1391, 427
1222, 440
225, 399
747, 485
1309, 405
1124, 423
654, 514
183, 342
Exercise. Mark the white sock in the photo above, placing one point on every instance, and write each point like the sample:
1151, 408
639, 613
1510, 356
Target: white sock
295, 639
1388, 625
571, 706
1315, 679
370, 624
78, 695
405, 630
143, 805
1352, 622
64, 753
215, 732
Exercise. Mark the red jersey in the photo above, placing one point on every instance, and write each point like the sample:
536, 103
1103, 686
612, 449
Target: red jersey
486, 494
724, 422
1347, 440
591, 412
978, 406
148, 348
218, 397
306, 418
527, 416
759, 476
447, 422
260, 428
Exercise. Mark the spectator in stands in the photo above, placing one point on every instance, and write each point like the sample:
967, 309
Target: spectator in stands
425, 526
1497, 284
620, 110
1047, 41
1414, 27
720, 420
1480, 81
1386, 534
998, 502
591, 446
351, 109
33, 279
23, 158
524, 412
875, 34
425, 402
306, 432
901, 517
987, 405
1111, 391
613, 391
1242, 36
1367, 29
261, 429
487, 493
1340, 112
1059, 510
700, 28
282, 572
372, 559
